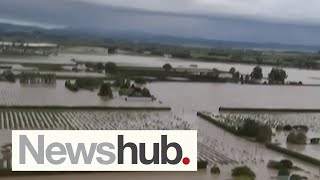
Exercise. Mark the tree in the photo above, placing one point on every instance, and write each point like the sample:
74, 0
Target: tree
112, 50
111, 67
181, 54
241, 79
243, 171
215, 170
145, 92
99, 66
9, 76
236, 75
70, 86
259, 60
232, 70
167, 67
284, 172
264, 134
88, 83
249, 128
296, 177
118, 82
140, 80
126, 84
256, 73
285, 163
247, 79
296, 137
277, 76
105, 90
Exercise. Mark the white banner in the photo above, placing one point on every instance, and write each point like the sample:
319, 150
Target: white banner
104, 150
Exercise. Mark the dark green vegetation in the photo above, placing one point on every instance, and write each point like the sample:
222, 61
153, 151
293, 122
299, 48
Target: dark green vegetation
250, 128
88, 83
166, 72
244, 172
8, 75
71, 86
277, 76
256, 73
131, 90
297, 177
105, 90
284, 172
202, 164
283, 164
215, 170
37, 78
253, 129
297, 137
83, 83
294, 154
110, 67
167, 67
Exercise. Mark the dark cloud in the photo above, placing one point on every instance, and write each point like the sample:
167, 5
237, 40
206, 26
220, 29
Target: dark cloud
109, 16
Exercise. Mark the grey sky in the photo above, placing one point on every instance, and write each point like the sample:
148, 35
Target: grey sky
285, 21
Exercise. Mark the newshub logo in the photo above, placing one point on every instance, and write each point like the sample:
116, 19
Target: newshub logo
104, 150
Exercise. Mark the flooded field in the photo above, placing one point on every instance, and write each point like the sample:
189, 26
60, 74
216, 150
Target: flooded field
215, 145
311, 120
306, 76
12, 119
58, 95
210, 96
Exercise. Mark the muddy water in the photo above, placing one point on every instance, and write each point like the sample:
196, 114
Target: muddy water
210, 96
188, 98
39, 95
306, 76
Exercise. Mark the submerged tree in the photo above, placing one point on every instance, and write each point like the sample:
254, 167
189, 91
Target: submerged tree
297, 137
232, 70
244, 172
110, 67
105, 90
277, 76
256, 74
167, 67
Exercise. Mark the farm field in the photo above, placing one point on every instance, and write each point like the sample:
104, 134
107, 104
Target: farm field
14, 94
14, 119
311, 120
274, 119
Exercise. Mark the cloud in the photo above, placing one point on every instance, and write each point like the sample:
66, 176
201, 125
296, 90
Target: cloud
284, 11
285, 21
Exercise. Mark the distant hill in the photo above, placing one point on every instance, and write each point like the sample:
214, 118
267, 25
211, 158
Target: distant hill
89, 36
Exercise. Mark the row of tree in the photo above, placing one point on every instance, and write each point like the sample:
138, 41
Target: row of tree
276, 76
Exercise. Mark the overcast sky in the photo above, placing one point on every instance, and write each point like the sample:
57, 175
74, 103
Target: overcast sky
284, 21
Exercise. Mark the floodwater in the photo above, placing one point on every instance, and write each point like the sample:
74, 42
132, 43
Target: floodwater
211, 96
306, 76
42, 95
186, 99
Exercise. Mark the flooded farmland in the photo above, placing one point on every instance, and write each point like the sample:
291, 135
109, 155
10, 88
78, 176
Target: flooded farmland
57, 95
306, 76
185, 98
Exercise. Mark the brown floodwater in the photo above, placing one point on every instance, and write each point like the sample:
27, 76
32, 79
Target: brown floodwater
306, 76
186, 99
